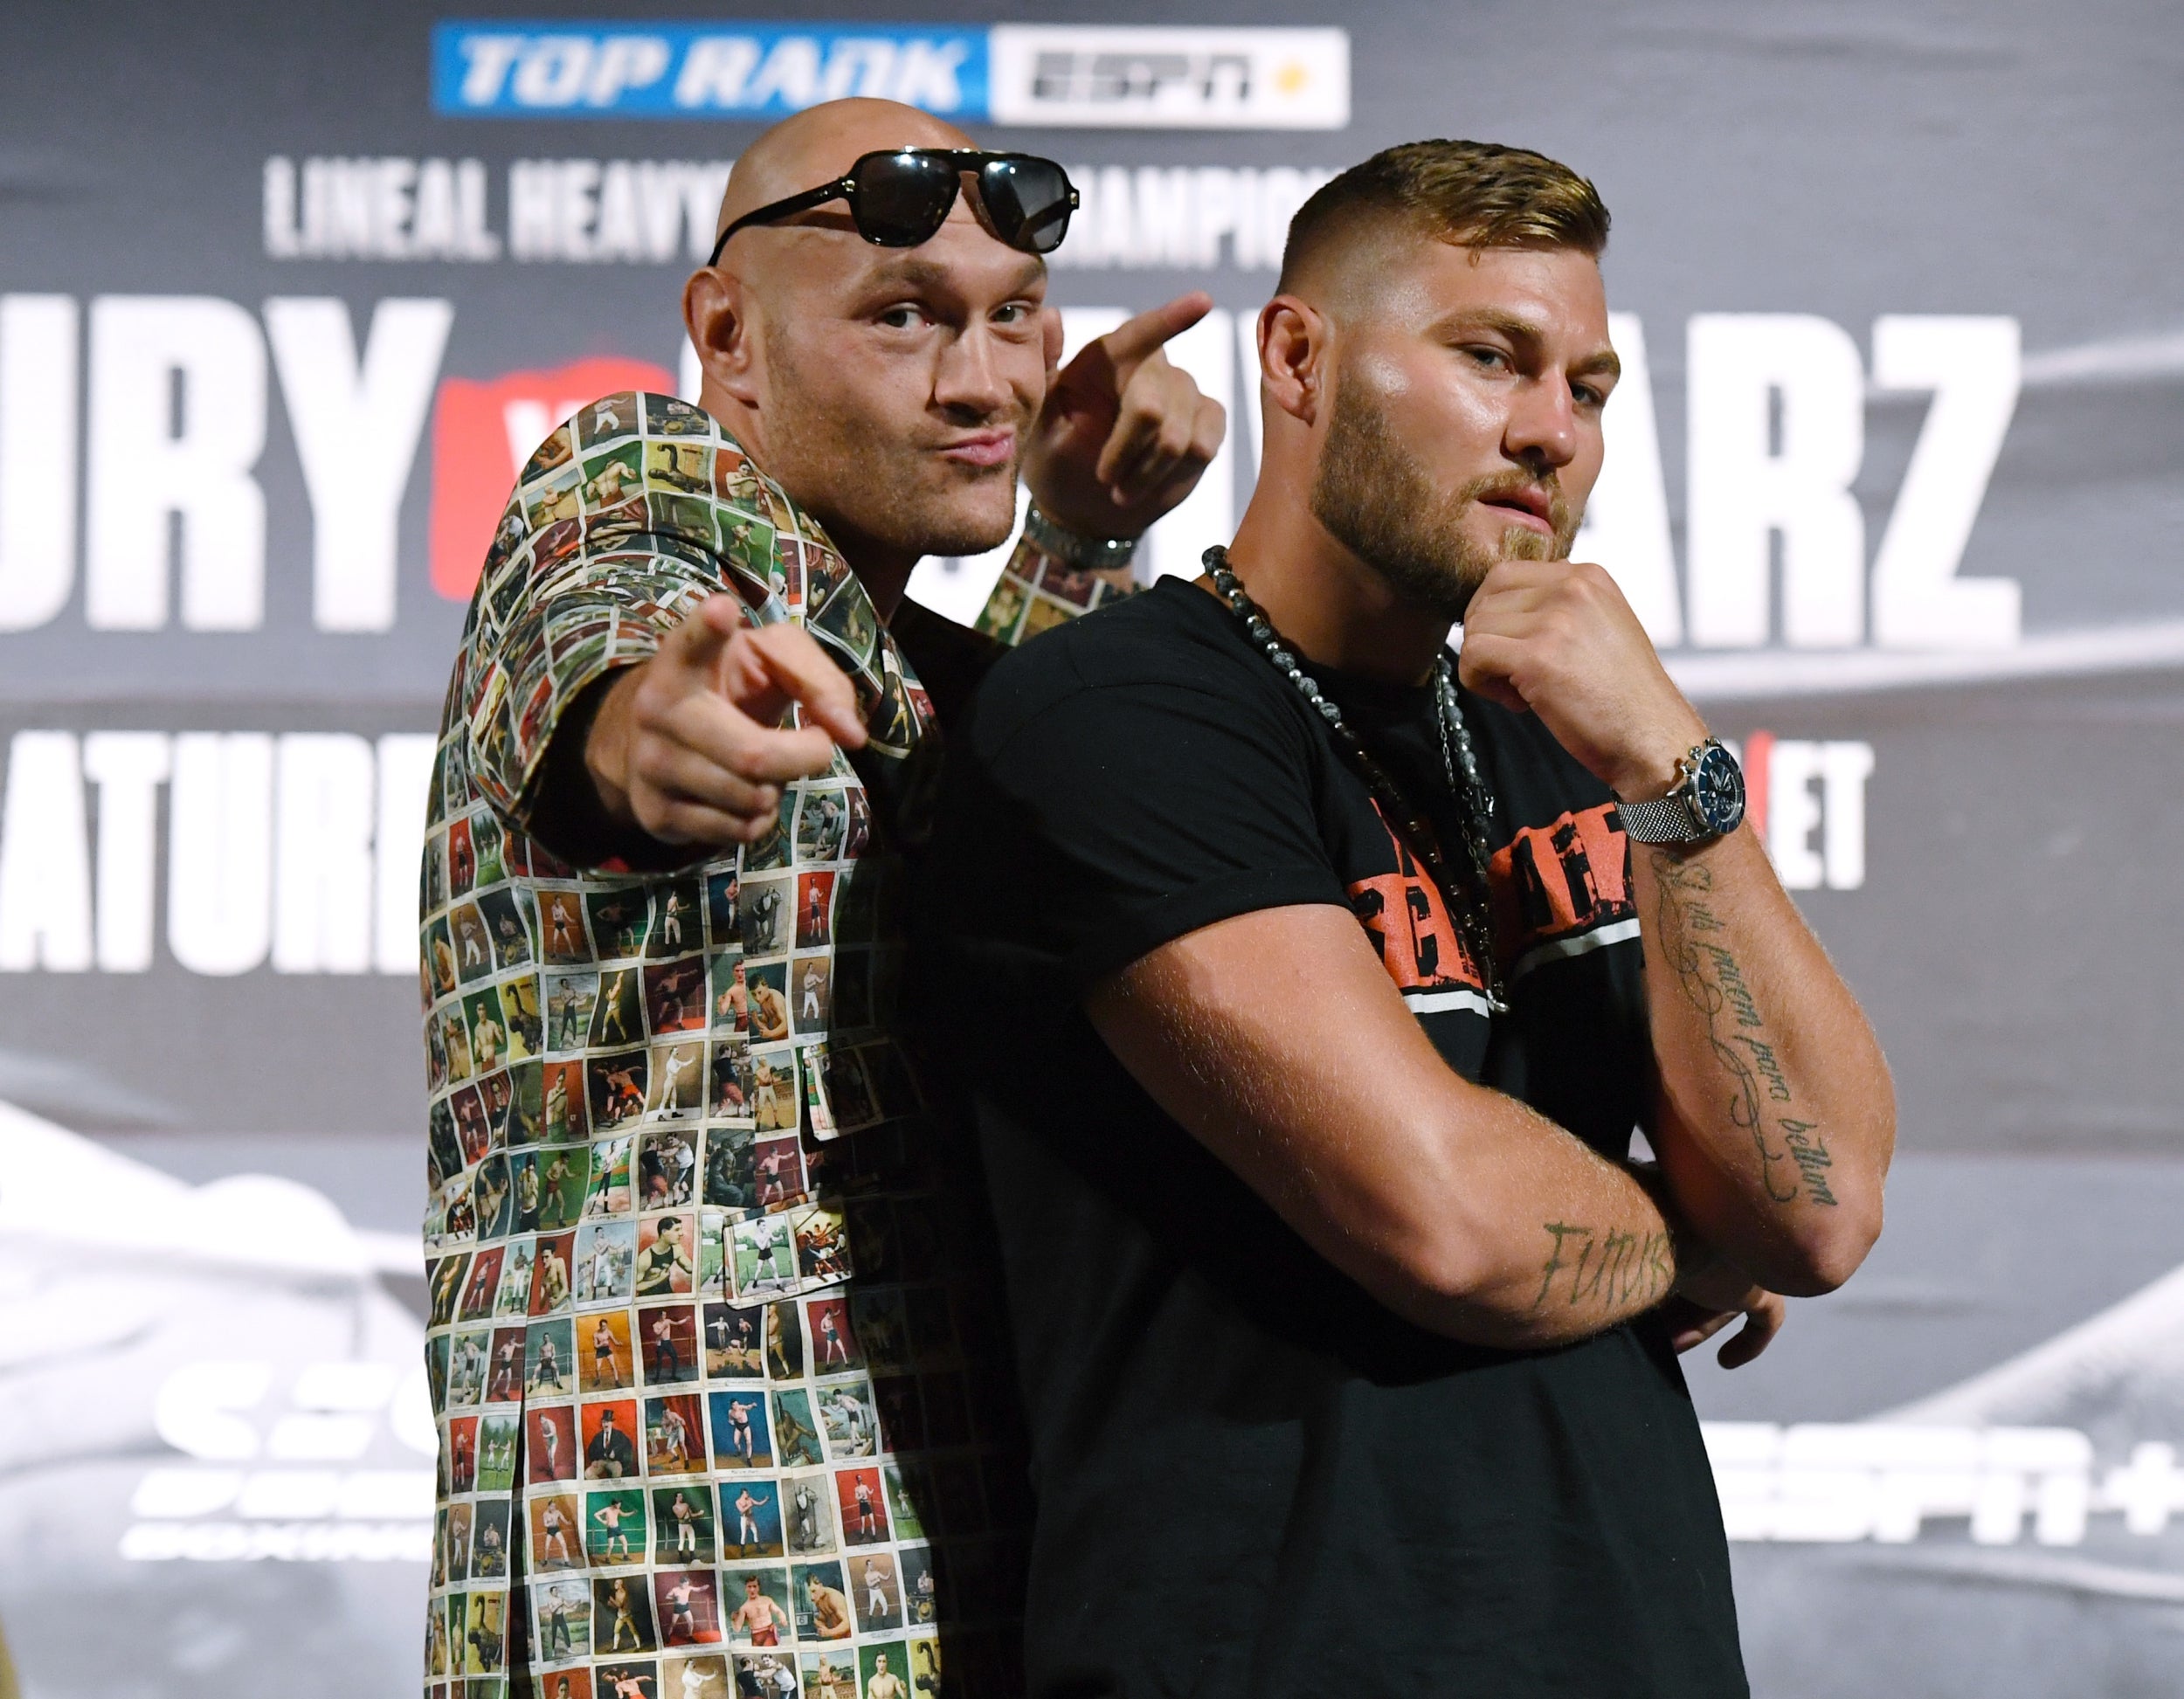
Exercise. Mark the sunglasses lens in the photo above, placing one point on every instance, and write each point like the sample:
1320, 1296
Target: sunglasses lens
902, 198
1028, 201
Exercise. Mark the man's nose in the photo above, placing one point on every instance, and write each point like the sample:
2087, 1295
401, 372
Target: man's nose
971, 377
1541, 430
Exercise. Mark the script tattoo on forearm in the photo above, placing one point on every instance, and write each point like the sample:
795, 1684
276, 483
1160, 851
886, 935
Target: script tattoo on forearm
1605, 1271
1713, 983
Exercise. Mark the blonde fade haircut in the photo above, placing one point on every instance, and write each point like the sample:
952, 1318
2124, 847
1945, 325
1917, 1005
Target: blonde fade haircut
1470, 194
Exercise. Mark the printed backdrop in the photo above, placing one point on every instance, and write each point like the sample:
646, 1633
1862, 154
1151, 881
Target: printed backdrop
1896, 479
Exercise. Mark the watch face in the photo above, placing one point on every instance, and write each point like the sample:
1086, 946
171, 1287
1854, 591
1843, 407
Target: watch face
1717, 790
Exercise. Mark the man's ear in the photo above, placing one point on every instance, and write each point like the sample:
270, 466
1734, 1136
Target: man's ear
715, 310
1293, 354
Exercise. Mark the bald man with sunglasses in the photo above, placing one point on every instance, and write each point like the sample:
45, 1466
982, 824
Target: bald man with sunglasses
689, 665
896, 373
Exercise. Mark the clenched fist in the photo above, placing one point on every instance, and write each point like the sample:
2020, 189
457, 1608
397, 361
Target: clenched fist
1707, 1298
1557, 639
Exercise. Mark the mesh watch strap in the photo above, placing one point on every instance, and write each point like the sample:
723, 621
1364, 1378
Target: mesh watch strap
1669, 820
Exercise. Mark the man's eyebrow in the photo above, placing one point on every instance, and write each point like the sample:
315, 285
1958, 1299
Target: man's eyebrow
1514, 326
908, 271
1604, 361
911, 272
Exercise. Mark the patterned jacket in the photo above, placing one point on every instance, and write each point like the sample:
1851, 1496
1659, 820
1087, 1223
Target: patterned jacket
705, 1348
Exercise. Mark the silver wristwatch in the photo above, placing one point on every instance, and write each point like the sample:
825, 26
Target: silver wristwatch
1081, 554
1707, 802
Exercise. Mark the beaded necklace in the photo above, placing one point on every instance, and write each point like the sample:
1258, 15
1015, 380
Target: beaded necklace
1467, 897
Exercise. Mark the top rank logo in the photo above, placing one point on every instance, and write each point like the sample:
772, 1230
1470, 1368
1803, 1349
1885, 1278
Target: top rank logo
1052, 75
725, 70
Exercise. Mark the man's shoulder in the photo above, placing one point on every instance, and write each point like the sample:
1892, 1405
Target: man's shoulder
1167, 643
637, 467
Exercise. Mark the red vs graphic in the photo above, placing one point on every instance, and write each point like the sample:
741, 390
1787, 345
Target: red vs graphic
483, 431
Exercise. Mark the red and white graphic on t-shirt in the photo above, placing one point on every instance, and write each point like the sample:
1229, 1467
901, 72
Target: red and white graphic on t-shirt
1407, 918
1563, 888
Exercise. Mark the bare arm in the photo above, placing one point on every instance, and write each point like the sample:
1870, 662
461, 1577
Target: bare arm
1776, 1118
1277, 1039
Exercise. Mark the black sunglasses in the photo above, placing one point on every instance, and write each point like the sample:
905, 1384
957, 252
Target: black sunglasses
901, 198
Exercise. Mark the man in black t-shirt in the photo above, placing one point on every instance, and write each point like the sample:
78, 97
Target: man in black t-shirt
1306, 992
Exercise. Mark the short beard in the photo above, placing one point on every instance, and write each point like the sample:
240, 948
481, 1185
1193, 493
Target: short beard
1377, 500
862, 478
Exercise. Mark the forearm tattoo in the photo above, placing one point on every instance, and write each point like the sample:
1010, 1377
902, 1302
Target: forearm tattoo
1605, 1271
1793, 1152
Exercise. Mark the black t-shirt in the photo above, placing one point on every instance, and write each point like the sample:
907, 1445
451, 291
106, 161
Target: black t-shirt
1252, 1478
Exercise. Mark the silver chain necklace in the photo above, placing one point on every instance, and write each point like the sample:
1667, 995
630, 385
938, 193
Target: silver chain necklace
1468, 898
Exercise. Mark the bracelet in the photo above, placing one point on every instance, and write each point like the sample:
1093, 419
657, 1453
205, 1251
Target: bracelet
1081, 553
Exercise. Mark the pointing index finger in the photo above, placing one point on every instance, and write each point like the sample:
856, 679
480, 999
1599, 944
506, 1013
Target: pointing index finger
1133, 340
794, 665
701, 638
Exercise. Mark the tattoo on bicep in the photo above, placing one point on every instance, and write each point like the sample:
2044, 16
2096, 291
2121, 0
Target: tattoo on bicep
1713, 982
1605, 1272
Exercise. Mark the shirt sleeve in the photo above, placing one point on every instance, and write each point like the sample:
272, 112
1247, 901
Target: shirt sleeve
1083, 833
582, 619
1036, 592
584, 578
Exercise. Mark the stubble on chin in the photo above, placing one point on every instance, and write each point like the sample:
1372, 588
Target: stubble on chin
1521, 542
872, 484
946, 523
1375, 498
865, 478
905, 492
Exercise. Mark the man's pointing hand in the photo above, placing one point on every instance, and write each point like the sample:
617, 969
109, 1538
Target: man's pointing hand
690, 745
1124, 434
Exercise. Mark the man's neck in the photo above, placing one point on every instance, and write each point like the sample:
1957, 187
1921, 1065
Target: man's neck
1327, 602
884, 572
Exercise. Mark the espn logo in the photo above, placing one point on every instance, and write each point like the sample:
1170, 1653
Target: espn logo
1170, 78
